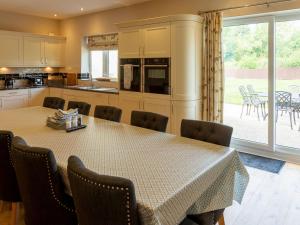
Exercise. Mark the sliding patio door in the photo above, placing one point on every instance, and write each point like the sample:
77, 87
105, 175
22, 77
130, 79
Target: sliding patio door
262, 82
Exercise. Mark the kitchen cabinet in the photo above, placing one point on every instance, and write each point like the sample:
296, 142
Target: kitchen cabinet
129, 102
37, 96
14, 99
183, 110
55, 92
42, 52
11, 48
149, 42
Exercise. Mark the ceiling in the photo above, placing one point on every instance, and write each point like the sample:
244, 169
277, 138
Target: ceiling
62, 8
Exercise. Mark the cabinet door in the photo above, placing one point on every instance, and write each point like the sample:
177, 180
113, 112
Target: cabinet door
159, 106
55, 92
186, 61
11, 48
129, 44
157, 42
183, 110
37, 96
54, 50
14, 102
128, 103
34, 51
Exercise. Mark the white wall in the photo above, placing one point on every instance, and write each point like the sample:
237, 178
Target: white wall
104, 22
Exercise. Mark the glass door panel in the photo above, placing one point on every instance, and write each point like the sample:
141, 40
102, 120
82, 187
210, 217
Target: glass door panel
287, 95
246, 81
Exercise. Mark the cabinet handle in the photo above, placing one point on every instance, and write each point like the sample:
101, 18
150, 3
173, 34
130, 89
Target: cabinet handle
143, 51
172, 110
46, 60
42, 61
12, 93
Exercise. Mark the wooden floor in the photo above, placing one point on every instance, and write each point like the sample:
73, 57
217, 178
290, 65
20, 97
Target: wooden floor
271, 199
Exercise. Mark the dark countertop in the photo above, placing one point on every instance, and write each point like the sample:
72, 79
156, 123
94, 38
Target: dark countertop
77, 88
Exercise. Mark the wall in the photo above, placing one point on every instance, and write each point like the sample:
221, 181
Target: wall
104, 22
30, 24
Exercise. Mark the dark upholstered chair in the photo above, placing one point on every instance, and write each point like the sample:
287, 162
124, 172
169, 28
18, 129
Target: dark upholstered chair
100, 199
149, 120
41, 186
207, 131
108, 113
213, 133
54, 103
83, 107
9, 190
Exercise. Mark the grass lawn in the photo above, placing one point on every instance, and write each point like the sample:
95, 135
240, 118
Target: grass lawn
233, 96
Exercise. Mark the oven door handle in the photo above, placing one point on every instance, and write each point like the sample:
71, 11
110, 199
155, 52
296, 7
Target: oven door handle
156, 66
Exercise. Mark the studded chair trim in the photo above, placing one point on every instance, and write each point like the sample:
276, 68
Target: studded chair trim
83, 107
107, 196
9, 190
41, 186
149, 120
108, 113
54, 103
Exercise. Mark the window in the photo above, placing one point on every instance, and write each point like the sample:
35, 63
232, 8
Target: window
104, 63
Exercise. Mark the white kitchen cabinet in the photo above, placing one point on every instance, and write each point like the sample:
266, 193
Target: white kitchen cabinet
183, 110
14, 99
55, 92
150, 42
37, 96
34, 51
54, 52
97, 99
186, 60
11, 49
129, 43
157, 41
129, 102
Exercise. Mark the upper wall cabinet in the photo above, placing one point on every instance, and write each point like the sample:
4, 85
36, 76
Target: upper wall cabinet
43, 52
11, 50
149, 42
30, 50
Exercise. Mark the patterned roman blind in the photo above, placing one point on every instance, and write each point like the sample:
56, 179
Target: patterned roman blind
103, 42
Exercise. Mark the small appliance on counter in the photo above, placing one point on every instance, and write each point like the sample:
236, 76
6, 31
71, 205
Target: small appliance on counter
9, 82
56, 80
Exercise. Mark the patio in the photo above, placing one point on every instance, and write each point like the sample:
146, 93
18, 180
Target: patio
250, 128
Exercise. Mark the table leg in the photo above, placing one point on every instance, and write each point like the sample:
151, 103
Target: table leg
221, 220
14, 213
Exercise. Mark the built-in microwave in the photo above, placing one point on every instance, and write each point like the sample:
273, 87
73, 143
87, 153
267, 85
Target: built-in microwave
157, 76
131, 75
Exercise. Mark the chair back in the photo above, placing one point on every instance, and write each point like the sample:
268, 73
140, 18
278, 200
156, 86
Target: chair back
99, 199
9, 190
283, 100
54, 103
215, 133
251, 90
244, 94
108, 113
41, 186
149, 120
83, 107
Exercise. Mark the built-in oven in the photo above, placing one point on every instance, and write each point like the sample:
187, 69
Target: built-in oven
157, 76
131, 75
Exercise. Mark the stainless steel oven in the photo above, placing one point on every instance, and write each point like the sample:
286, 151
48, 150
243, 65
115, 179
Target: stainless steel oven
157, 76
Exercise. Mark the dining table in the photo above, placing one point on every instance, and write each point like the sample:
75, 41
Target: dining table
173, 176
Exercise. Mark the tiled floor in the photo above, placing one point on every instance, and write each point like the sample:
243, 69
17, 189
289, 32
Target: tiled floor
270, 199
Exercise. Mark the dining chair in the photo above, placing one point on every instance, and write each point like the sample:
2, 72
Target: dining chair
283, 103
54, 103
213, 133
101, 199
83, 107
41, 186
108, 113
9, 190
149, 120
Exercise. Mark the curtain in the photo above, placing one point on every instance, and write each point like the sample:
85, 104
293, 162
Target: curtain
103, 42
212, 86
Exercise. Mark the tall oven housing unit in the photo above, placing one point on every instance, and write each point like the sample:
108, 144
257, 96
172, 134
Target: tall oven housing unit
160, 67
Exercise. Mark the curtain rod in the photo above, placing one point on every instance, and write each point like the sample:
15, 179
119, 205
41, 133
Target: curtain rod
246, 6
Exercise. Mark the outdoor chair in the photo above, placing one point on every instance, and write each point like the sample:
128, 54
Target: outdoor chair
283, 103
246, 100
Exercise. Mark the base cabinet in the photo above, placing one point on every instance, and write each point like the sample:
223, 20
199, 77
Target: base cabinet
37, 96
128, 103
14, 99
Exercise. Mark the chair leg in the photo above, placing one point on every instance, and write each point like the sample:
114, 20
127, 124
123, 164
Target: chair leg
291, 120
1, 206
14, 213
221, 220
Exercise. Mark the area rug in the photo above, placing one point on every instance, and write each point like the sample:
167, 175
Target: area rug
262, 163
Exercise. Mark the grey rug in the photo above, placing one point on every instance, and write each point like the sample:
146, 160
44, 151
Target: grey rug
262, 163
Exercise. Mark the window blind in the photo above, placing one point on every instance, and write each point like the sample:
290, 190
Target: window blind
103, 42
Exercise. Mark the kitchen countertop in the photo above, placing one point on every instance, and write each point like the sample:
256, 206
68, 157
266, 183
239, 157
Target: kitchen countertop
79, 88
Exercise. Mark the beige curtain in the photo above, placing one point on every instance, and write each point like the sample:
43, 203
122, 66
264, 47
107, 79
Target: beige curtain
212, 87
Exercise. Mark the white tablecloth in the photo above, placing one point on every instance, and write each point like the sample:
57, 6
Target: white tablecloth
173, 176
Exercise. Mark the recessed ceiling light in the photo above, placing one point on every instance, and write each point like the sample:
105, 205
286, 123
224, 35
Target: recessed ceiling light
55, 15
81, 9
